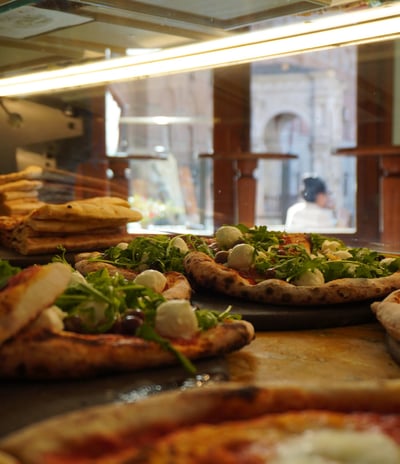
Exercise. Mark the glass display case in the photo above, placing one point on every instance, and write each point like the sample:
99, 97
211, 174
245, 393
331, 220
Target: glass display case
204, 113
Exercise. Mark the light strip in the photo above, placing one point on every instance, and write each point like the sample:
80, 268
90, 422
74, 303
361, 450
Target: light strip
372, 24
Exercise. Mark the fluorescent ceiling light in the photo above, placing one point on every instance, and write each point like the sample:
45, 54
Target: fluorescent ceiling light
362, 26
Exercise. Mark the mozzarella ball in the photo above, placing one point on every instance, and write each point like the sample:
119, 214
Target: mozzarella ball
122, 245
330, 245
241, 256
342, 254
228, 236
311, 277
178, 242
387, 261
152, 279
176, 318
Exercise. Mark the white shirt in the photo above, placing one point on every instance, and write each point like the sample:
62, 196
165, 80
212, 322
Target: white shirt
309, 217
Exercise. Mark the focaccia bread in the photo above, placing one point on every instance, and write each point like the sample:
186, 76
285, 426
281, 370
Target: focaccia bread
21, 185
29, 173
97, 209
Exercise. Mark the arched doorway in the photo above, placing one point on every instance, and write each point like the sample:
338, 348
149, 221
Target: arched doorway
278, 182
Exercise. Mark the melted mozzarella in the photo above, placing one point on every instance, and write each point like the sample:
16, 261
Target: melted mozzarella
338, 447
152, 279
241, 256
227, 236
311, 277
176, 318
49, 319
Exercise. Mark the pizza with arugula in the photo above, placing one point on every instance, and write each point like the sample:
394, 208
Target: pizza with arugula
56, 323
260, 265
271, 267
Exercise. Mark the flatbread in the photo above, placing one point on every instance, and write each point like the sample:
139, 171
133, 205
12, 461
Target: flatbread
30, 172
19, 195
20, 207
77, 242
100, 208
41, 226
21, 185
205, 273
28, 293
183, 426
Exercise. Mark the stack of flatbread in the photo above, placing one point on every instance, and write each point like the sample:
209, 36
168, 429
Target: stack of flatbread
88, 224
19, 191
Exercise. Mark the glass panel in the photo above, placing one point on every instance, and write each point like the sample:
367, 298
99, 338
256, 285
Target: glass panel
306, 105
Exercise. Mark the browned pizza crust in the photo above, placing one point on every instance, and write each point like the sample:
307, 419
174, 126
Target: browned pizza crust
388, 313
46, 354
204, 272
28, 293
118, 432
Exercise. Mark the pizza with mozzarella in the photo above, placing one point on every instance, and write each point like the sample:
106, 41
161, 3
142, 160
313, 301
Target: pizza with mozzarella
225, 423
272, 267
56, 323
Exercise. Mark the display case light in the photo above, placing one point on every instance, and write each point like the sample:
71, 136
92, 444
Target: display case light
346, 28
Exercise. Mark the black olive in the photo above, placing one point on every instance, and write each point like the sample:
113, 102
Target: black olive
221, 257
129, 322
73, 324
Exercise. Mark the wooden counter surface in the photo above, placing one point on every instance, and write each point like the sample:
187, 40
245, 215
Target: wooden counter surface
341, 354
348, 354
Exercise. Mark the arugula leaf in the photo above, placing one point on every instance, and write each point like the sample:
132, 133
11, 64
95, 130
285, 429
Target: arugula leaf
147, 332
100, 299
207, 318
7, 271
152, 252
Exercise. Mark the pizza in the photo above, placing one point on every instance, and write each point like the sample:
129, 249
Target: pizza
387, 313
162, 253
225, 423
55, 323
264, 266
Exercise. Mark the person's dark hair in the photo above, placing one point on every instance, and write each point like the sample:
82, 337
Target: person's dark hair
312, 187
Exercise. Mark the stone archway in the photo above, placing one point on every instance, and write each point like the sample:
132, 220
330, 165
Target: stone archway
278, 182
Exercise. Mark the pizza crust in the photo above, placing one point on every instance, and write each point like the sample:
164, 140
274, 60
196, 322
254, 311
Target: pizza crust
118, 432
47, 354
388, 313
205, 273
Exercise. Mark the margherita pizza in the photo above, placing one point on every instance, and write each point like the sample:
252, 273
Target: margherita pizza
224, 424
55, 323
290, 269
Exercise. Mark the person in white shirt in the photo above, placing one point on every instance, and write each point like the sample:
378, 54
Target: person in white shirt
313, 213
